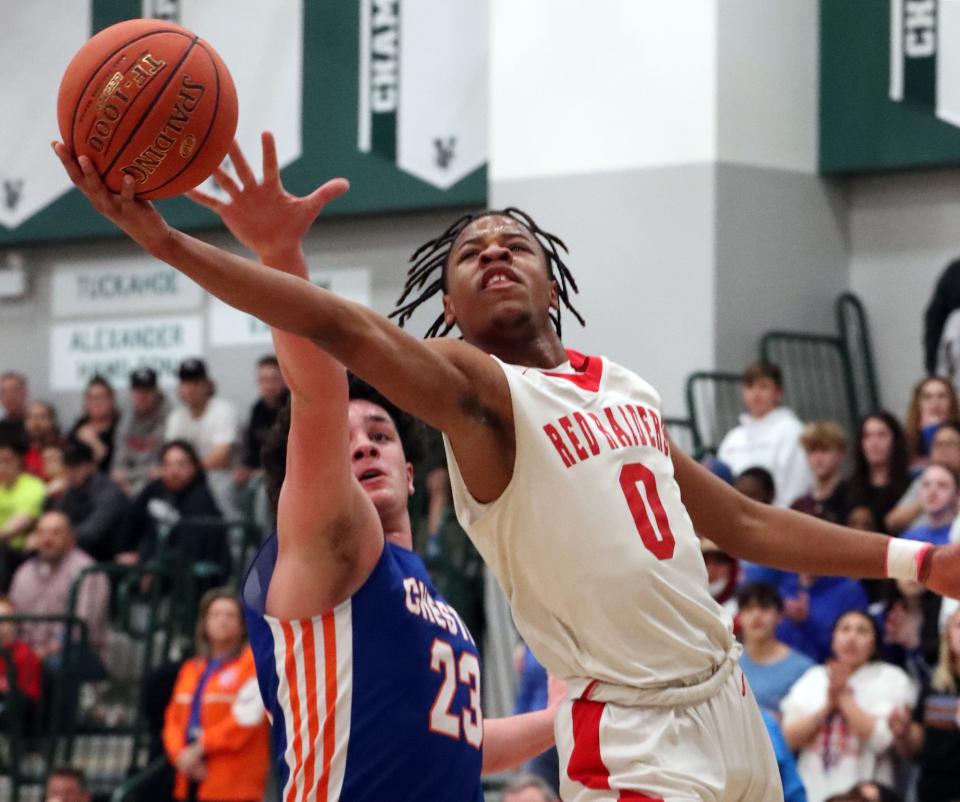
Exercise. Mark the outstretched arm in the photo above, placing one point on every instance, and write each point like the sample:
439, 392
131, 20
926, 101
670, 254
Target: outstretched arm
791, 540
330, 541
434, 380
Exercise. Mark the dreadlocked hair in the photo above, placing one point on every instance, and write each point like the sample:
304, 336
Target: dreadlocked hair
432, 256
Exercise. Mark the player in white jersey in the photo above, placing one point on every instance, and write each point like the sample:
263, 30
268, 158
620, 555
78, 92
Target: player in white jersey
570, 488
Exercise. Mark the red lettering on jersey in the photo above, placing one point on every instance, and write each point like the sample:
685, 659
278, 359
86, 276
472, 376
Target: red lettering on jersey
558, 444
599, 424
636, 422
568, 430
617, 430
646, 425
588, 434
658, 428
626, 419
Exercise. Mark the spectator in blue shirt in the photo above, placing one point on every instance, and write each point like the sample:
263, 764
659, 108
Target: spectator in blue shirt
771, 667
812, 606
938, 499
793, 790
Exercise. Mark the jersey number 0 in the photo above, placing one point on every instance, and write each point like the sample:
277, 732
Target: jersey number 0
639, 487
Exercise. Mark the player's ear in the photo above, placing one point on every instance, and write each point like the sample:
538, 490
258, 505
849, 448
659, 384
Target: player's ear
449, 314
410, 488
554, 295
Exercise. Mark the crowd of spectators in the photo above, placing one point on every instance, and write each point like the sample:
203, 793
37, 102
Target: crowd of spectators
858, 681
127, 479
861, 677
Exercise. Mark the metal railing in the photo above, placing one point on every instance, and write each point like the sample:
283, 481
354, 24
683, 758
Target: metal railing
714, 405
855, 335
817, 380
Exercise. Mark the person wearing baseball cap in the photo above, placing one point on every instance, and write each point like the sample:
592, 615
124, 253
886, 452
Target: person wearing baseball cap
209, 423
141, 434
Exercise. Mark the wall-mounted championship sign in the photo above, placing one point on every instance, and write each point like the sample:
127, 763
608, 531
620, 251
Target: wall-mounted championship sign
391, 94
889, 84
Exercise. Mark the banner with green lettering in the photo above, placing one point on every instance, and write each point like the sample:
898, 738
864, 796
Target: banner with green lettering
889, 84
391, 94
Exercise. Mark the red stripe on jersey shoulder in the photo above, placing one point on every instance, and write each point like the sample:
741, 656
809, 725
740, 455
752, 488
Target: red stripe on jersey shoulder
589, 371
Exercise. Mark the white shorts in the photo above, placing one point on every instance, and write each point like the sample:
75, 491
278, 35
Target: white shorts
615, 745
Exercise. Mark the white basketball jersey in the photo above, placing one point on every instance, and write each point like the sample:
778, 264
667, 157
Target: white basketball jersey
590, 540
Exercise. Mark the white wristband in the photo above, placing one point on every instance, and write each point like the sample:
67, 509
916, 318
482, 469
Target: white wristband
904, 558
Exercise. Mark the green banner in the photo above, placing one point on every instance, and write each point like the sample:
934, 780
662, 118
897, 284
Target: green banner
399, 110
889, 84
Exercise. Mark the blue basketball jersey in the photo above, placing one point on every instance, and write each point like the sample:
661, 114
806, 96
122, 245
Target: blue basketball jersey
378, 698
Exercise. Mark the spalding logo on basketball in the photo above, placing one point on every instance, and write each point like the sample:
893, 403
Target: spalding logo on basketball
151, 100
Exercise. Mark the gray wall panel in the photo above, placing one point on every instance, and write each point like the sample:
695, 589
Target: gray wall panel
641, 244
781, 256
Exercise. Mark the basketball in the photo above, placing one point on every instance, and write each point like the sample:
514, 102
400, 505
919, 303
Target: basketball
152, 100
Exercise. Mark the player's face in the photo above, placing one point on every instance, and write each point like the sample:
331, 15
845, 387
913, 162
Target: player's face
498, 285
854, 640
377, 456
758, 622
761, 396
825, 462
934, 402
938, 490
876, 442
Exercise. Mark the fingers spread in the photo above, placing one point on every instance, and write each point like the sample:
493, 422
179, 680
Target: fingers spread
327, 192
240, 164
271, 172
203, 199
228, 184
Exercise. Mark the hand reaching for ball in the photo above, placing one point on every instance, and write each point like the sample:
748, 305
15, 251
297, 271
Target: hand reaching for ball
262, 215
138, 219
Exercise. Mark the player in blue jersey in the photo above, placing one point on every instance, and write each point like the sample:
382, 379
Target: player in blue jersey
372, 680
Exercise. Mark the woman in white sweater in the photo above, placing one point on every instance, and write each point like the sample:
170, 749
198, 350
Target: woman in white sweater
837, 714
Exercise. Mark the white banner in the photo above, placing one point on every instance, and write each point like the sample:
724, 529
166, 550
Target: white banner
229, 326
37, 41
113, 348
121, 286
423, 86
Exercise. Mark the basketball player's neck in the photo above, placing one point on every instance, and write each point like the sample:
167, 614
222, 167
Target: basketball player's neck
397, 528
542, 349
